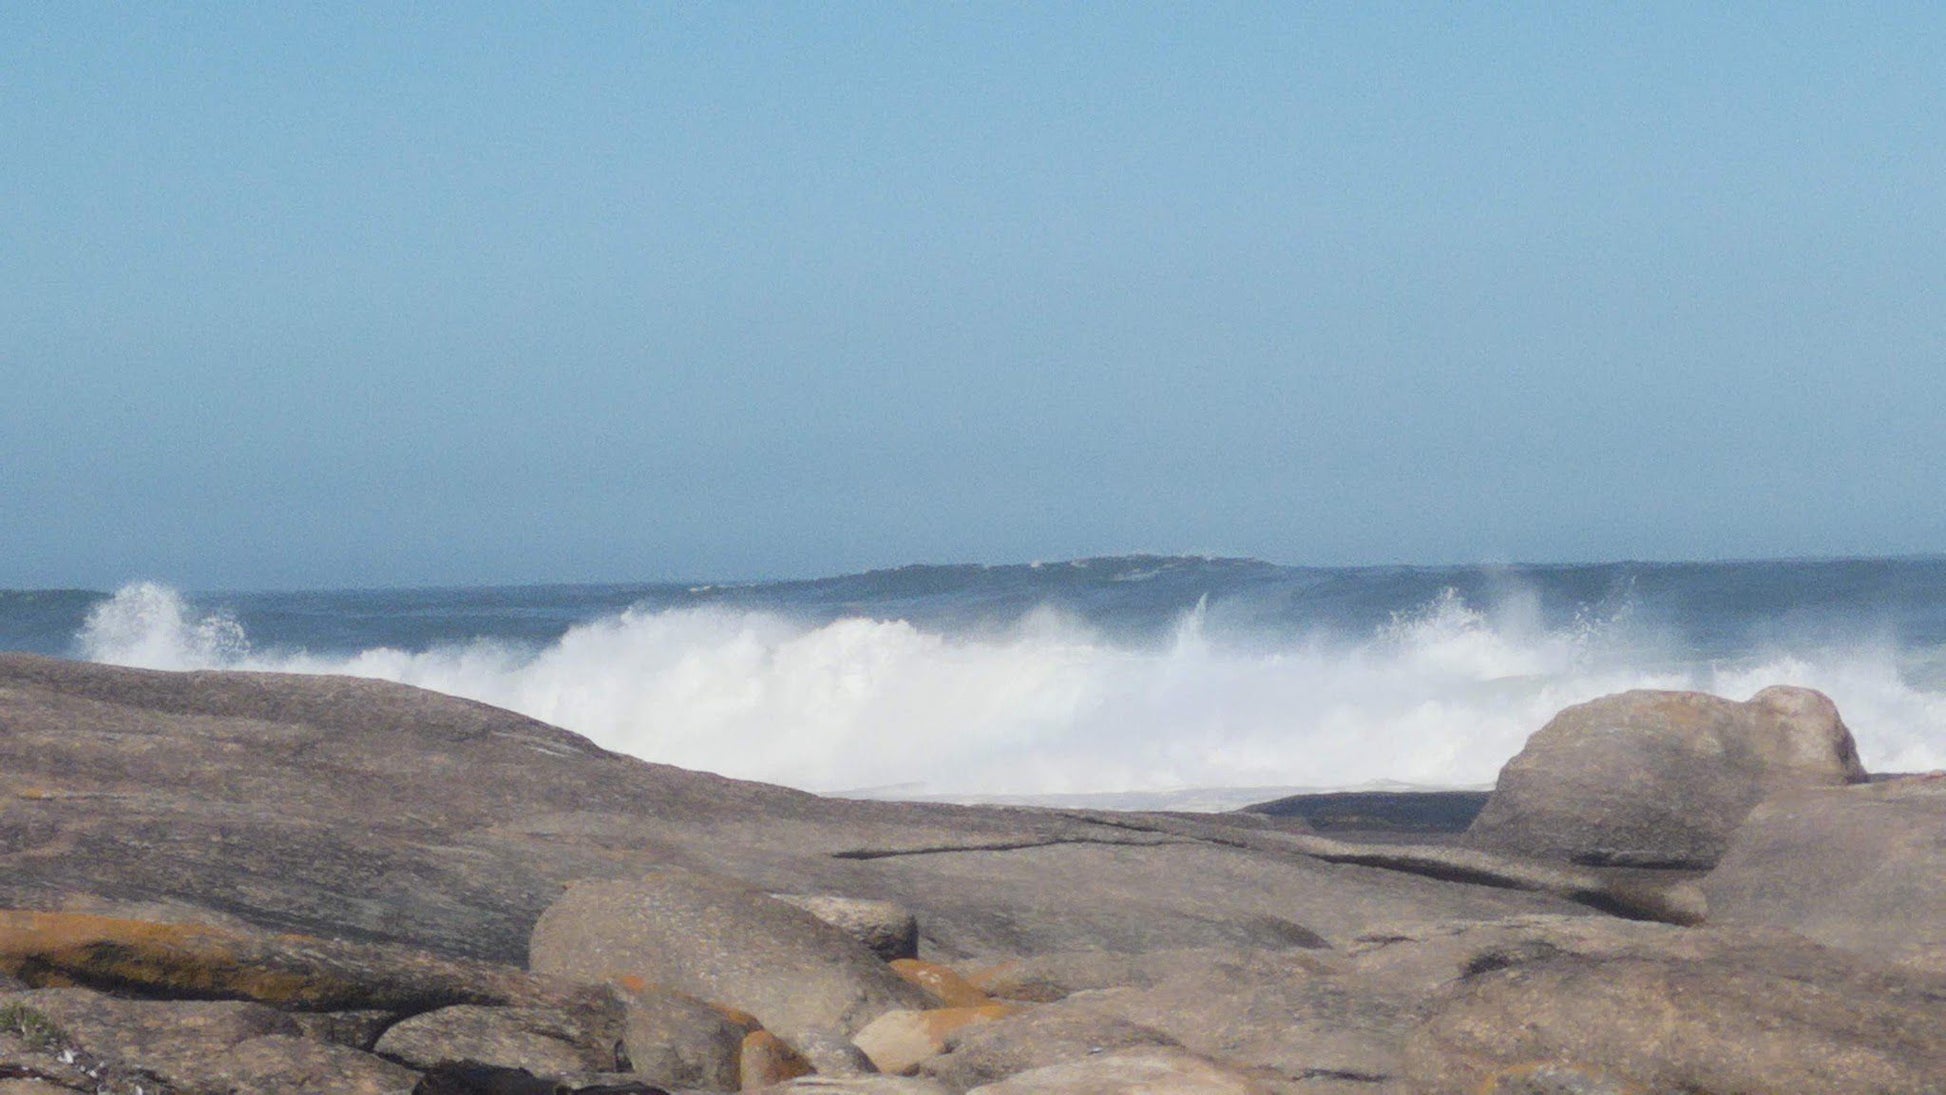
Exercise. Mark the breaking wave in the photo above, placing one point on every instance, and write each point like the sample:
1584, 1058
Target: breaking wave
1440, 696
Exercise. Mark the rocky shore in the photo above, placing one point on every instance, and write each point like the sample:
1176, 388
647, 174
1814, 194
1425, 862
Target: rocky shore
229, 882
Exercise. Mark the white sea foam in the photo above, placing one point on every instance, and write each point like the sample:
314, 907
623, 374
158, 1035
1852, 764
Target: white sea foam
1442, 696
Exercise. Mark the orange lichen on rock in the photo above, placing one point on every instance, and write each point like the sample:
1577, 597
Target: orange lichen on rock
198, 961
952, 990
767, 1059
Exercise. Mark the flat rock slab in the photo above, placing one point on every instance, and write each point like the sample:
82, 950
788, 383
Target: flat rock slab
368, 811
1863, 868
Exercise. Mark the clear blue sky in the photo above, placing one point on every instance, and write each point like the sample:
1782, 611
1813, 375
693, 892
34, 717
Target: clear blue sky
404, 294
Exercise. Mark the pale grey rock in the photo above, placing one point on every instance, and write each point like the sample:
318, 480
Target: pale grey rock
887, 928
724, 942
547, 1041
1862, 868
1147, 1069
1661, 778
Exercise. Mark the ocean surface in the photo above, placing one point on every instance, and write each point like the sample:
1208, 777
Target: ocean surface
1134, 681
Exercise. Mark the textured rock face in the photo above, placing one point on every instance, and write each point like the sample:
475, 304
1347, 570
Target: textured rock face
1777, 1018
1863, 868
723, 942
887, 929
1661, 778
367, 811
547, 1041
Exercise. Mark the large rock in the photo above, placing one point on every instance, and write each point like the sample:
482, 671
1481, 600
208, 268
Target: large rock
184, 1043
984, 1052
1661, 779
278, 1064
724, 942
1863, 868
1733, 1014
367, 811
286, 971
889, 930
547, 1041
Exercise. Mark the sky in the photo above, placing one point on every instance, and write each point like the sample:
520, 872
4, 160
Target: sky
299, 296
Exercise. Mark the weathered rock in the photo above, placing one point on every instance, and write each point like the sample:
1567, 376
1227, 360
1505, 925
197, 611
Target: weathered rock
1283, 1014
1863, 868
833, 1054
722, 941
1148, 1069
278, 1064
985, 1052
1710, 1011
898, 1040
547, 1041
358, 1029
674, 1039
1044, 978
767, 1060
37, 1087
184, 1043
887, 929
1661, 778
368, 811
943, 983
287, 971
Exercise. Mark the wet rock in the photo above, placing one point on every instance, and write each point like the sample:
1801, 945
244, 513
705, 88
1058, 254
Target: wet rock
887, 929
721, 941
1661, 778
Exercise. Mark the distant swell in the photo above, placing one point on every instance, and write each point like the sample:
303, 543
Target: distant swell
1441, 696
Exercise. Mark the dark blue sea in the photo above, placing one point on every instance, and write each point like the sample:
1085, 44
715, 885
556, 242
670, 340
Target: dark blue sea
1134, 680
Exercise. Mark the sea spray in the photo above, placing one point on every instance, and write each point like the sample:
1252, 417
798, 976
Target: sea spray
1441, 693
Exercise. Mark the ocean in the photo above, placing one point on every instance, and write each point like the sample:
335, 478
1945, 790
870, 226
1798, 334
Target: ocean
1139, 681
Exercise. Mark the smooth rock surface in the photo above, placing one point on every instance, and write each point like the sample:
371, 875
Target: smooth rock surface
985, 1052
721, 941
1710, 1011
1863, 868
1661, 779
360, 810
1148, 1071
898, 1041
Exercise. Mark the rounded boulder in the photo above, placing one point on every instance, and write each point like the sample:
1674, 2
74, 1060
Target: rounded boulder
1661, 779
723, 942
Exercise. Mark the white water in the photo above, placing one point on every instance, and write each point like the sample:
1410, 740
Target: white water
1441, 697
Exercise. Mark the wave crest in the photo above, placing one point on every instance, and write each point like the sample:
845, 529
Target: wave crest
1440, 696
